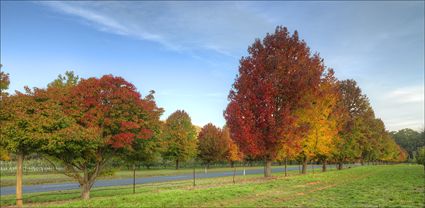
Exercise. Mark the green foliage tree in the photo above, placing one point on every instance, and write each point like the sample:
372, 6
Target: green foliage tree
179, 138
69, 79
353, 141
4, 85
410, 140
4, 81
212, 145
25, 120
420, 156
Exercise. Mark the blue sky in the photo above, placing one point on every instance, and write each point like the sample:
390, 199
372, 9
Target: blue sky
188, 52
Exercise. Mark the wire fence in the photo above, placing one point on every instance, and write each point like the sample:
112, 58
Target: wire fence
29, 166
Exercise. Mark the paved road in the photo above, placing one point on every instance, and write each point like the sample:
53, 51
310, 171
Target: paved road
129, 181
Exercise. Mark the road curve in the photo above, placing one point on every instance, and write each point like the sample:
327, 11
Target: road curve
128, 181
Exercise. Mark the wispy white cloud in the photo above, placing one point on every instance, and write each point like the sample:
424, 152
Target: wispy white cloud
225, 28
401, 107
407, 94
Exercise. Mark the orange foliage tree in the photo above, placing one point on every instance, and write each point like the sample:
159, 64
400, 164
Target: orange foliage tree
233, 153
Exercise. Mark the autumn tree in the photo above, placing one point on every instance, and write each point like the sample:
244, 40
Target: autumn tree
146, 151
233, 153
289, 151
25, 120
4, 82
358, 111
179, 138
106, 115
273, 79
390, 151
320, 117
212, 145
69, 79
4, 86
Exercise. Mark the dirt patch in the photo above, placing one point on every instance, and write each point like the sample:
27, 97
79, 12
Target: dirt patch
313, 183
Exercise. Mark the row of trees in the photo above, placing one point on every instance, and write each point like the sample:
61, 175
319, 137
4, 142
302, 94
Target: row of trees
285, 103
81, 124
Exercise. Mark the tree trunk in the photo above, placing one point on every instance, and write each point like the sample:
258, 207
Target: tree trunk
304, 166
312, 166
361, 162
19, 164
299, 168
232, 164
85, 191
268, 168
339, 166
324, 166
286, 164
85, 185
177, 164
234, 174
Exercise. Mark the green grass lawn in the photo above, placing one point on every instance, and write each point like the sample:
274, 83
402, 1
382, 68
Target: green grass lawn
383, 186
35, 179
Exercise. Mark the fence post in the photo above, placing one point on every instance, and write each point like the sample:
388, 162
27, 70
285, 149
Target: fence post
194, 184
134, 178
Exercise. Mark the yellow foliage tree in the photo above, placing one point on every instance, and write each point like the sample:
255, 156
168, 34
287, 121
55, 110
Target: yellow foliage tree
319, 116
233, 153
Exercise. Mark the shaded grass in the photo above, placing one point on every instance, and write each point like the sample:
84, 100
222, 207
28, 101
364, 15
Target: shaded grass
394, 186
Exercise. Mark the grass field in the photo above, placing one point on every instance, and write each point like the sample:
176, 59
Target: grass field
383, 186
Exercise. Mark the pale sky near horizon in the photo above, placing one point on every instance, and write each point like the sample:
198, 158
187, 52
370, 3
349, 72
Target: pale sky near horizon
189, 52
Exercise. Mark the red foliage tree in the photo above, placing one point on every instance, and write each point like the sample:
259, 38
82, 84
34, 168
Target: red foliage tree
272, 80
105, 116
212, 145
